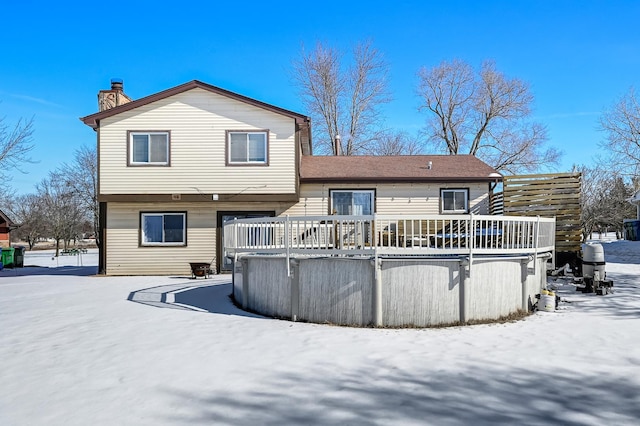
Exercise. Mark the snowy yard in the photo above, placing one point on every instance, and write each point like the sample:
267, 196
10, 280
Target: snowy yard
77, 349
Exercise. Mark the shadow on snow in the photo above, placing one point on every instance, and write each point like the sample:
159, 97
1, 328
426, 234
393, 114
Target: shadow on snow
199, 296
622, 304
77, 271
481, 395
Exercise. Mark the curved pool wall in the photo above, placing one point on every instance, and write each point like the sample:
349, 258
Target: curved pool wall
388, 292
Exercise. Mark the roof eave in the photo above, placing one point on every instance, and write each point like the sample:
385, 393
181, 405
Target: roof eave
399, 179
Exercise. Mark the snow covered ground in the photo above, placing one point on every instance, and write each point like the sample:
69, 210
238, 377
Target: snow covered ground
77, 349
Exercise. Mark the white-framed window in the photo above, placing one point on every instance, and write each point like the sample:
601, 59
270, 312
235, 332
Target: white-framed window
163, 229
352, 202
454, 200
247, 147
149, 148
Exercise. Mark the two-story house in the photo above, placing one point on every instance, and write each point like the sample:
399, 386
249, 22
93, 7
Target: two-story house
175, 165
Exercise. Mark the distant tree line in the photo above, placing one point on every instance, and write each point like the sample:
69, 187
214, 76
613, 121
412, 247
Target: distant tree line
605, 201
64, 206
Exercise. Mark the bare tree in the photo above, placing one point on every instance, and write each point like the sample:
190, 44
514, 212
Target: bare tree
605, 202
594, 184
621, 123
7, 194
81, 177
343, 100
27, 212
396, 143
618, 208
485, 115
62, 213
15, 145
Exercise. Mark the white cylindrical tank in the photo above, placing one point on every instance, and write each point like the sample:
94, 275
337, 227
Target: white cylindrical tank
593, 260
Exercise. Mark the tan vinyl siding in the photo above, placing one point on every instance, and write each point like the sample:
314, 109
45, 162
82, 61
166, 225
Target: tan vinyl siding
396, 199
197, 121
126, 257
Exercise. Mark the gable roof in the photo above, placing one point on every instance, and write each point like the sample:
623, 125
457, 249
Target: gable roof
93, 120
398, 168
4, 218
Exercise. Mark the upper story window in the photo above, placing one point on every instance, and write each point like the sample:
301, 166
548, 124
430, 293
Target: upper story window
247, 147
347, 202
163, 229
454, 200
149, 148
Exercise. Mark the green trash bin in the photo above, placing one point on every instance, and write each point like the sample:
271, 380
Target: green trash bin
7, 257
632, 230
1, 264
18, 257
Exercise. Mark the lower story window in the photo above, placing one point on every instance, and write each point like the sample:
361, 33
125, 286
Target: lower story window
352, 202
163, 229
454, 200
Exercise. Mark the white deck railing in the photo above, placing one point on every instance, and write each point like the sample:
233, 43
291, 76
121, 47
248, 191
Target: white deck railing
390, 235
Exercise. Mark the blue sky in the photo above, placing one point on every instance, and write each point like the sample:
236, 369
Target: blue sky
578, 57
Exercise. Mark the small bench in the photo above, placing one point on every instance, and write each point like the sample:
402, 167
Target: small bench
73, 251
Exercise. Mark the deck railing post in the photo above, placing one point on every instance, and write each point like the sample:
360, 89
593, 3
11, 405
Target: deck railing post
536, 242
287, 248
374, 233
471, 233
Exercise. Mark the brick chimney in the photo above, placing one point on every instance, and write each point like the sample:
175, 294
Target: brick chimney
113, 97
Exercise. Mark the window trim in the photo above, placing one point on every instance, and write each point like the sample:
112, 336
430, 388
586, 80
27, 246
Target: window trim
227, 154
130, 161
467, 200
372, 191
142, 243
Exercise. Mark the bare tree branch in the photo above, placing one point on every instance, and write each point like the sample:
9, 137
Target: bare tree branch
484, 115
28, 212
342, 100
81, 177
317, 74
396, 143
621, 123
62, 213
447, 92
15, 145
367, 87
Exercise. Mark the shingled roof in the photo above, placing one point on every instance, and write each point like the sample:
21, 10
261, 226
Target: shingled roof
400, 168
